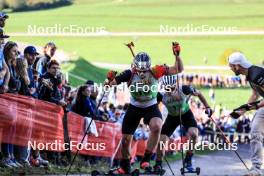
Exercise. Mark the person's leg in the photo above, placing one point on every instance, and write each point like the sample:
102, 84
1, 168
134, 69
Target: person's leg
192, 134
129, 126
256, 142
189, 123
155, 129
153, 118
126, 152
161, 148
167, 130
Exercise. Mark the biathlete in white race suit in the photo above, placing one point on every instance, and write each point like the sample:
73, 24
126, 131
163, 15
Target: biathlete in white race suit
255, 76
176, 102
143, 83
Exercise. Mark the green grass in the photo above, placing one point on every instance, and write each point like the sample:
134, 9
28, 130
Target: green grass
83, 69
145, 15
229, 97
78, 168
194, 49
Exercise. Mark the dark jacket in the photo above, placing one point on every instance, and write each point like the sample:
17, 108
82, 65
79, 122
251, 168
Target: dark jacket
53, 94
84, 107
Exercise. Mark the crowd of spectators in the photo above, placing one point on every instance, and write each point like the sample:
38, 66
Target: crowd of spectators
214, 80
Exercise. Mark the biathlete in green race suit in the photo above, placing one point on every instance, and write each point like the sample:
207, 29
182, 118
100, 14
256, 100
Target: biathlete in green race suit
176, 101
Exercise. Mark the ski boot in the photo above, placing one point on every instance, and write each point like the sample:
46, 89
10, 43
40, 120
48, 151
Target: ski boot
157, 169
188, 162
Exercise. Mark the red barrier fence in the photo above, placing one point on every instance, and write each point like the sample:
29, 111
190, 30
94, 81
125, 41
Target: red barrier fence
24, 119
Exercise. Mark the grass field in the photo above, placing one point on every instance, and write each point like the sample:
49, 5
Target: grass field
194, 49
230, 98
146, 15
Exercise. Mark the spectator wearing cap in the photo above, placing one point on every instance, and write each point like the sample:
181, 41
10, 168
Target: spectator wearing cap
41, 63
3, 17
25, 71
10, 54
28, 87
49, 84
4, 71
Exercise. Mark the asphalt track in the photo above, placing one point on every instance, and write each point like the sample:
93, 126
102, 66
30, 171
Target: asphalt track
219, 163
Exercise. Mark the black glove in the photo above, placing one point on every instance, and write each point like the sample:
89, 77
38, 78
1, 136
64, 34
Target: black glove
234, 115
248, 107
209, 111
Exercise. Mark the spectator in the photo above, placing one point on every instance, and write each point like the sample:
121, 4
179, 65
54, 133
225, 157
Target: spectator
141, 133
25, 72
49, 84
3, 17
103, 110
112, 113
10, 54
239, 129
247, 128
4, 71
83, 105
212, 95
41, 63
28, 87
93, 96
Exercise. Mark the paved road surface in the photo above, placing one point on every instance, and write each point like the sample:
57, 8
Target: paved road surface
218, 163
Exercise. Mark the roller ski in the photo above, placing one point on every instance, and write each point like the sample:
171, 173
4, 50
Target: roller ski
158, 170
116, 172
188, 167
148, 170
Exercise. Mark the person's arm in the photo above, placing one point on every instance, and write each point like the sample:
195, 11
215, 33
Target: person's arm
260, 104
39, 66
21, 69
159, 97
124, 76
160, 70
177, 68
254, 96
6, 78
88, 104
190, 90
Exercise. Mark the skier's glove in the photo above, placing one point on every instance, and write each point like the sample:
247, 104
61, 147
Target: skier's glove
111, 75
176, 48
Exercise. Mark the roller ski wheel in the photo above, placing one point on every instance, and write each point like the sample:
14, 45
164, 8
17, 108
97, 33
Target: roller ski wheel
95, 173
114, 172
196, 171
148, 170
135, 172
158, 170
